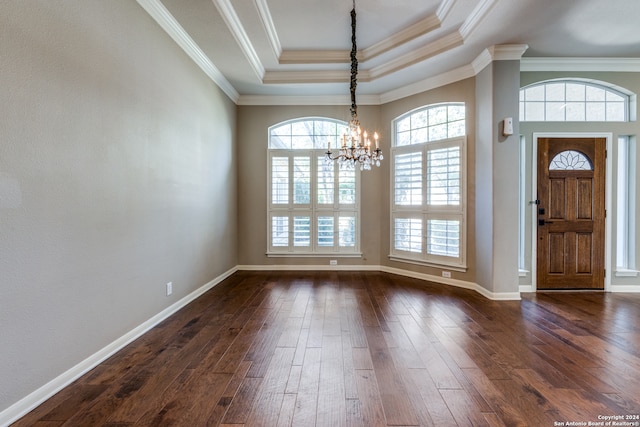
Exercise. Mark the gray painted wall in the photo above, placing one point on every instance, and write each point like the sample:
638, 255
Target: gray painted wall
506, 170
117, 175
497, 177
484, 176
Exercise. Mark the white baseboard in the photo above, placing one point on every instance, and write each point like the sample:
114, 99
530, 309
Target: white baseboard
31, 401
526, 288
497, 296
634, 289
296, 267
428, 277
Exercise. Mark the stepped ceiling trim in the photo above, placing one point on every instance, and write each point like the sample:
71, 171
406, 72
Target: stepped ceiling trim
238, 44
419, 29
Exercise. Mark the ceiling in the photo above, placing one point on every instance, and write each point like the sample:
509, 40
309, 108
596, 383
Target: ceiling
286, 51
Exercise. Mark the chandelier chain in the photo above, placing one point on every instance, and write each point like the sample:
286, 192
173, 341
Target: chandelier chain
354, 63
355, 145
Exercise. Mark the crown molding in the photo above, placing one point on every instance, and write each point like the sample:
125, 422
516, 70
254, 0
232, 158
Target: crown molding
481, 61
310, 76
424, 26
307, 100
443, 44
225, 8
498, 52
507, 52
269, 27
443, 79
444, 9
233, 23
420, 28
168, 23
476, 17
315, 57
452, 76
630, 65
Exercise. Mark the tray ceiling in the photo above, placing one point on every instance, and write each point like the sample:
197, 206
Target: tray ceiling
265, 51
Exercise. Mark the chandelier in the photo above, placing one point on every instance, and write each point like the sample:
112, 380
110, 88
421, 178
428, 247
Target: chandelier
355, 146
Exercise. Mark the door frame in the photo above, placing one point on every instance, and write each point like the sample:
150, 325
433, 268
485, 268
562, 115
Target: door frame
607, 197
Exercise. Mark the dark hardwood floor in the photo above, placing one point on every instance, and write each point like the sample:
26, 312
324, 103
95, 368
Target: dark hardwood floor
366, 349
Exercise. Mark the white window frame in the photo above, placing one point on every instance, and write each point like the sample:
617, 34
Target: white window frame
313, 210
425, 212
625, 207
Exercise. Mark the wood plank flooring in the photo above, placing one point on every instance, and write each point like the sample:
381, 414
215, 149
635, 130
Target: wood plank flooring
366, 349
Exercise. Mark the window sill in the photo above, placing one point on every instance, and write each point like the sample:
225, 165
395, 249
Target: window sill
441, 265
313, 255
523, 273
627, 273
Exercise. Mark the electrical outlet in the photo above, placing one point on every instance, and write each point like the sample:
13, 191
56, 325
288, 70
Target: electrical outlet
333, 262
169, 288
446, 274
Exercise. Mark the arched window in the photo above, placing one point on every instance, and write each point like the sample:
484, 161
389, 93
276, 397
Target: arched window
574, 101
428, 167
313, 206
570, 160
431, 123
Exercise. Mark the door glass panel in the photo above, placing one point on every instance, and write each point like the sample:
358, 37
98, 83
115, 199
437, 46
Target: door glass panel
570, 160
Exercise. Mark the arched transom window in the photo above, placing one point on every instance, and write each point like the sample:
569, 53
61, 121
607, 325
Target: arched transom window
573, 101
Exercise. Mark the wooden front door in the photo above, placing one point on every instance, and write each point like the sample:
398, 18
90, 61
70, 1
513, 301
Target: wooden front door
571, 213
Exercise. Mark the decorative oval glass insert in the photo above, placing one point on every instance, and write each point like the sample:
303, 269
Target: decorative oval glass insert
570, 160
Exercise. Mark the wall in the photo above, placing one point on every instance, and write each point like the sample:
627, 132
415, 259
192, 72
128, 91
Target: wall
484, 175
375, 193
506, 169
117, 175
629, 81
375, 190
